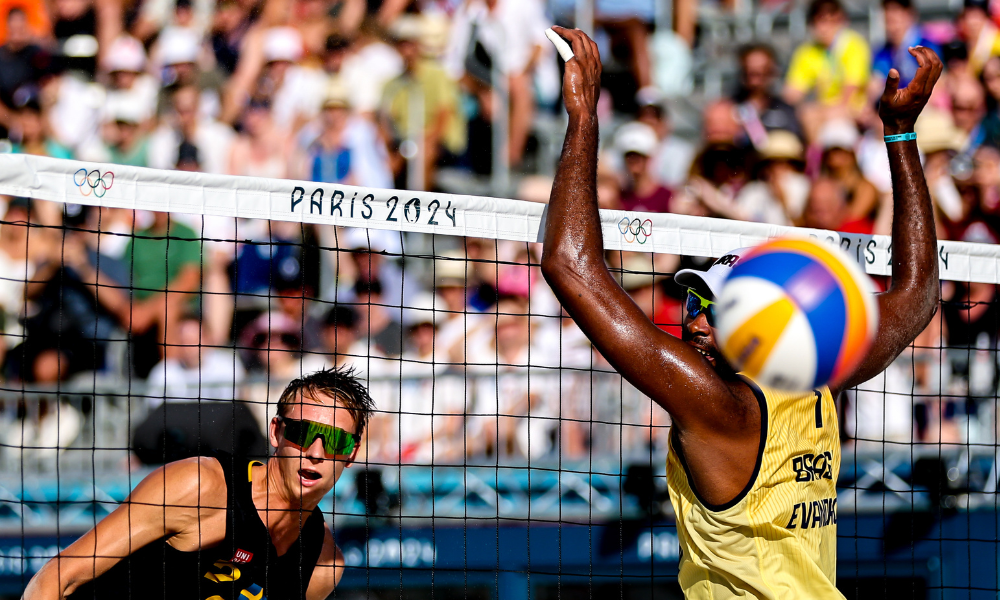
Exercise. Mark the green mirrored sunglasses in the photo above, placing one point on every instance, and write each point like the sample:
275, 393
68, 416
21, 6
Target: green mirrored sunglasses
302, 433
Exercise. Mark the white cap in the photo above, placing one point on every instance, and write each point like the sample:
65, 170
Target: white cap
636, 137
422, 310
178, 46
373, 240
282, 44
713, 279
125, 54
125, 110
839, 133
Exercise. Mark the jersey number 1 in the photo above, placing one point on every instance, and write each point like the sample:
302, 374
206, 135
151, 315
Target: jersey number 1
819, 409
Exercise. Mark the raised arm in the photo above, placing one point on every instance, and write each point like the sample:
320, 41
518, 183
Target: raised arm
669, 371
169, 502
907, 307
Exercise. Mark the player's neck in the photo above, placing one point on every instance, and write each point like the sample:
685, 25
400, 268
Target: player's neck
277, 503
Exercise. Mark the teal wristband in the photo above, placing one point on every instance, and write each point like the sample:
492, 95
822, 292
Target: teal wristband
902, 137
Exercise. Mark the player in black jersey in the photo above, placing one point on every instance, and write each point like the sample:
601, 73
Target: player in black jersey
225, 528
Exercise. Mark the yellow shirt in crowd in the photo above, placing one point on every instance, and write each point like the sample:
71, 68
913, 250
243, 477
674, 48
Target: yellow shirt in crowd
827, 71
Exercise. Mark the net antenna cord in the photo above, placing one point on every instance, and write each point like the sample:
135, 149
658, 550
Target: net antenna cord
120, 186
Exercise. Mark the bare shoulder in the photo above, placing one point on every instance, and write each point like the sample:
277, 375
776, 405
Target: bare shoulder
197, 481
329, 568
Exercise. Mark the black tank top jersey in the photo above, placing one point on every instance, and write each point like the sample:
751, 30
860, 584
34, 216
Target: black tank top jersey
244, 566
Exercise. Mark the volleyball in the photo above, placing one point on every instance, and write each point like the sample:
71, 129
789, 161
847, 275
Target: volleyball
795, 314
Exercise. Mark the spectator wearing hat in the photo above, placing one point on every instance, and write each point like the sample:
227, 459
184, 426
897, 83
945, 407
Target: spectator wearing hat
637, 142
178, 54
835, 65
129, 86
211, 138
378, 323
759, 109
123, 141
902, 31
839, 162
672, 158
777, 193
293, 89
347, 148
981, 37
421, 106
294, 294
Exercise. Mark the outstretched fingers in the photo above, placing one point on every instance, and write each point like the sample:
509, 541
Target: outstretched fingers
928, 71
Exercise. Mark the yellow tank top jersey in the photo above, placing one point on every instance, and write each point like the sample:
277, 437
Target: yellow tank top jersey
778, 538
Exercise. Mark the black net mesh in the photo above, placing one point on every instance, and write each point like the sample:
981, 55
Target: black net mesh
506, 459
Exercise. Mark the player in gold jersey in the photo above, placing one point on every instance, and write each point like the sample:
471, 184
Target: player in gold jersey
752, 472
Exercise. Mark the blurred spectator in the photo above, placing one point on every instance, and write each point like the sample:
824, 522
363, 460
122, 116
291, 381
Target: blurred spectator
423, 102
778, 191
505, 37
363, 66
968, 107
901, 33
230, 24
181, 422
294, 90
376, 320
637, 142
156, 15
835, 65
979, 33
30, 21
340, 334
295, 294
759, 107
672, 158
645, 285
838, 140
193, 370
720, 124
124, 63
30, 131
211, 138
991, 84
178, 53
71, 326
262, 149
347, 148
164, 262
827, 205
22, 62
718, 174
123, 141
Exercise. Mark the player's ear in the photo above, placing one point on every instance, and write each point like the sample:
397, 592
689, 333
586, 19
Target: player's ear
272, 431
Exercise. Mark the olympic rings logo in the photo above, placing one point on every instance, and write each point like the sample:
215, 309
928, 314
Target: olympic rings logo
635, 230
92, 182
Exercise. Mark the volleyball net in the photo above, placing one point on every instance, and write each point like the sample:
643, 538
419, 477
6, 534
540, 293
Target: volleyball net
152, 315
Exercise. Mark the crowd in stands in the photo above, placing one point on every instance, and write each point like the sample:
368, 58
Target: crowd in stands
347, 91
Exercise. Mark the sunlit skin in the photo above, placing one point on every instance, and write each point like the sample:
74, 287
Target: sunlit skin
184, 504
715, 414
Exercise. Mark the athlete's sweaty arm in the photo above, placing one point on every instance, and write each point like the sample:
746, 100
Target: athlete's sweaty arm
912, 298
669, 371
175, 501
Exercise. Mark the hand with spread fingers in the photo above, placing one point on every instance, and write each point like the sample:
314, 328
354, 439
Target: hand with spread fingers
899, 108
582, 80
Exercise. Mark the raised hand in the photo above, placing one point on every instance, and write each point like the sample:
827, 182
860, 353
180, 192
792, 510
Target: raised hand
899, 108
582, 80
